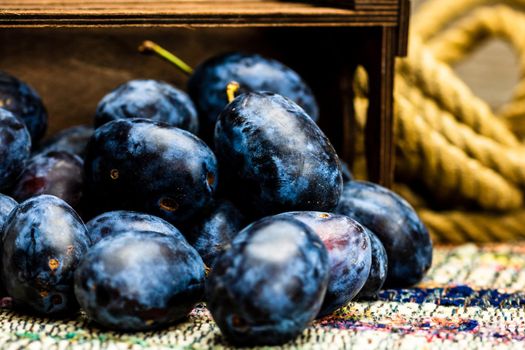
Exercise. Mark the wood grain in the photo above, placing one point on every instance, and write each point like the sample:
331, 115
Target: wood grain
182, 13
379, 137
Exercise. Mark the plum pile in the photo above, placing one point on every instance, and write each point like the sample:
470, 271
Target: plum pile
273, 156
270, 284
148, 99
24, 102
148, 166
15, 148
254, 73
43, 240
58, 173
139, 280
230, 195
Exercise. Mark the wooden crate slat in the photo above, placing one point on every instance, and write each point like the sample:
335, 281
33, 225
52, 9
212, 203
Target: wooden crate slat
181, 5
195, 12
156, 22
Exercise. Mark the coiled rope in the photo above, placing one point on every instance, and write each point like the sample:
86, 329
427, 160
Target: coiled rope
450, 144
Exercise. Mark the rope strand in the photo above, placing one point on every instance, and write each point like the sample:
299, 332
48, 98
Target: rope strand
448, 139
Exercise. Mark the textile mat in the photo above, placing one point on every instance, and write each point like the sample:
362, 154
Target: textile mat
472, 298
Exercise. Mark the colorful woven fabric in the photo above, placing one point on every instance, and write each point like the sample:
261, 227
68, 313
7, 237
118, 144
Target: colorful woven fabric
471, 299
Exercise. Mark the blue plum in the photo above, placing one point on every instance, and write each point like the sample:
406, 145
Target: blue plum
349, 254
73, 140
151, 167
274, 158
347, 174
115, 222
378, 269
396, 224
270, 284
7, 204
42, 244
24, 102
254, 73
58, 173
139, 280
148, 99
15, 147
212, 232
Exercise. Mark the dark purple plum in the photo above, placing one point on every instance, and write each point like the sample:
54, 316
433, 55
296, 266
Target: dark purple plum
7, 204
24, 102
58, 173
42, 243
270, 284
396, 224
213, 232
73, 140
139, 280
148, 99
349, 254
378, 269
347, 174
274, 158
115, 222
15, 147
253, 72
151, 167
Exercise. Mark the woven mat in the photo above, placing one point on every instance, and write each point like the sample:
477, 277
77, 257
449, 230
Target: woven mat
471, 299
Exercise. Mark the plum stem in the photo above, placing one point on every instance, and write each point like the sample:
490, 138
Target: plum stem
149, 46
231, 89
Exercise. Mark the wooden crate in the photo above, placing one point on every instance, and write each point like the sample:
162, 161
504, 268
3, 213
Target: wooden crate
75, 51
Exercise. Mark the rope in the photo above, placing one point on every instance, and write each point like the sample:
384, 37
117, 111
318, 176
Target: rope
506, 161
446, 167
433, 16
501, 22
459, 226
438, 81
449, 142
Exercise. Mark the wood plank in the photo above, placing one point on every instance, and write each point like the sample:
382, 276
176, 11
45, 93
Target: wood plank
379, 138
403, 28
204, 6
194, 13
357, 4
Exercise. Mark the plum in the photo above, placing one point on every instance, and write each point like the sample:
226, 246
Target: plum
151, 167
213, 232
396, 224
254, 73
349, 254
42, 244
378, 269
73, 140
274, 158
24, 102
7, 204
345, 170
270, 284
148, 99
115, 222
15, 147
139, 280
58, 173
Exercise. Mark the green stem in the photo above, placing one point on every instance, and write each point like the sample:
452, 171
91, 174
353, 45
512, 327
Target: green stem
149, 46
